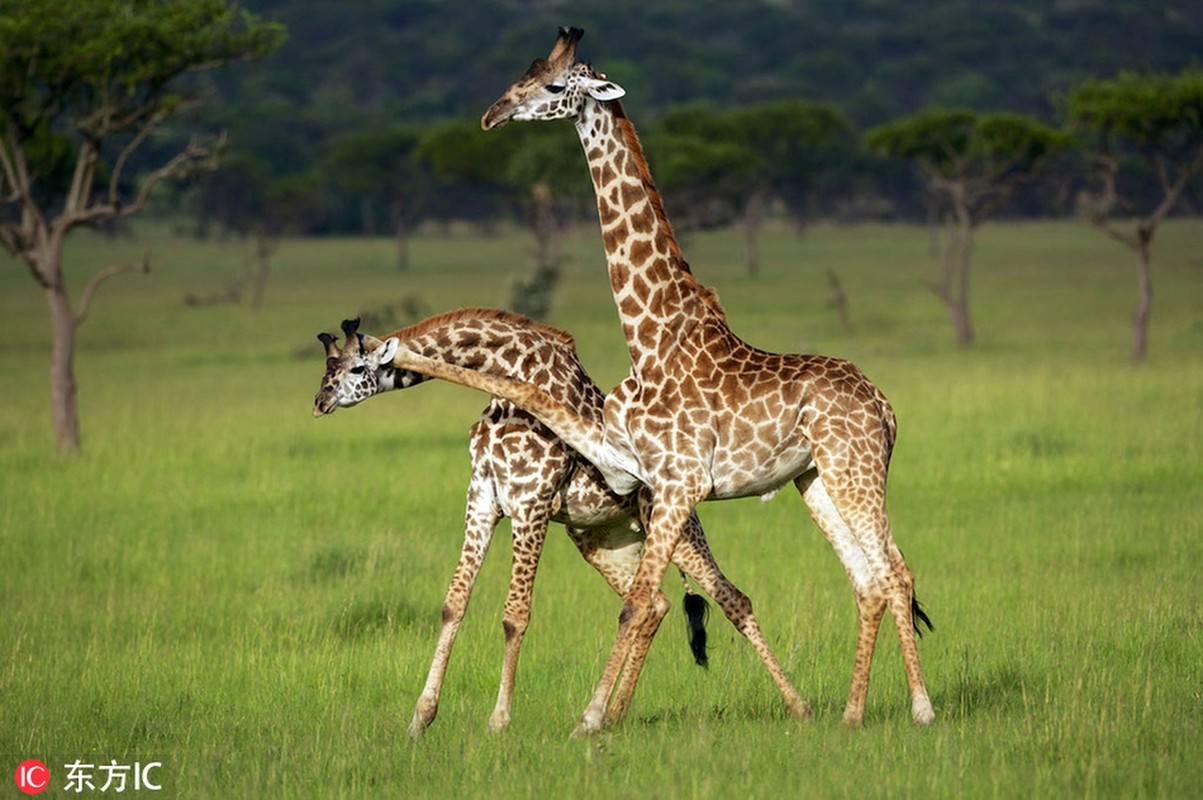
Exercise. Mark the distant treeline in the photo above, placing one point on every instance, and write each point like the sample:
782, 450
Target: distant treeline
362, 121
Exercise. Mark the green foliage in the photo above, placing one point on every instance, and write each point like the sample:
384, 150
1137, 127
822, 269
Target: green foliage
958, 144
363, 65
458, 149
375, 160
790, 135
696, 145
251, 596
872, 60
702, 156
1153, 111
99, 62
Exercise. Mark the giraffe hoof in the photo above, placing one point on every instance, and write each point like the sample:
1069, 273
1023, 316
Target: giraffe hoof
923, 714
585, 729
424, 714
499, 721
415, 730
582, 731
591, 722
801, 711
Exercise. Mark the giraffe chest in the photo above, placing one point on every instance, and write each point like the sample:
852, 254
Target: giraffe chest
751, 449
748, 469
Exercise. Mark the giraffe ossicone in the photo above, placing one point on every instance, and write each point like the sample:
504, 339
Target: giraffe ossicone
521, 469
705, 415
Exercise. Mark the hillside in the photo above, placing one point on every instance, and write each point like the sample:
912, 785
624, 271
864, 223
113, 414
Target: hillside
424, 59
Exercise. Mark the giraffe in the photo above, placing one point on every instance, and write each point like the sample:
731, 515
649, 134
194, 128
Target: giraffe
521, 469
705, 415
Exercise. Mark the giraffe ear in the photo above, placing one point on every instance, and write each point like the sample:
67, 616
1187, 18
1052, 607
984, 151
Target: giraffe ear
601, 89
385, 353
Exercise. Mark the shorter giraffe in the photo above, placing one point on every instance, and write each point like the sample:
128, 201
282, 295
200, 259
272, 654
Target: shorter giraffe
521, 469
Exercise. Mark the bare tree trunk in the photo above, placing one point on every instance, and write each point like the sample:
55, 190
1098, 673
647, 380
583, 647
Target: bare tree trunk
265, 246
367, 216
62, 370
839, 299
961, 319
751, 228
943, 289
933, 228
401, 235
532, 295
1144, 306
546, 228
953, 288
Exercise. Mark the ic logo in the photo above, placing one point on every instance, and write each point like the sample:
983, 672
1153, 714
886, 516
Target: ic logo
32, 776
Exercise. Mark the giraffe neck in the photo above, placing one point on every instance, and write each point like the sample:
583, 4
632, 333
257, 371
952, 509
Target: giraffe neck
389, 378
502, 344
656, 295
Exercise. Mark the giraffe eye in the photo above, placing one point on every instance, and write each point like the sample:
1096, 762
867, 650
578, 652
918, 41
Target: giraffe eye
358, 370
554, 88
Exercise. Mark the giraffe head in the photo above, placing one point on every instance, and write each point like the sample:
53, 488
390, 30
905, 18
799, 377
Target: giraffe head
556, 87
353, 373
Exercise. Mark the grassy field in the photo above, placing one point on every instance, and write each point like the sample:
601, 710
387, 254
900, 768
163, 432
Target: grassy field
250, 597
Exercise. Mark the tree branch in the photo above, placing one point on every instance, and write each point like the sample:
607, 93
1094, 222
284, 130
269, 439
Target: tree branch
17, 236
79, 194
196, 156
1098, 214
1172, 190
8, 177
103, 275
126, 152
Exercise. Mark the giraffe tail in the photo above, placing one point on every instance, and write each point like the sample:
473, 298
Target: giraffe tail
696, 611
919, 615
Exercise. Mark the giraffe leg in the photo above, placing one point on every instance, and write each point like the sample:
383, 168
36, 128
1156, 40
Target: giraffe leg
664, 529
620, 701
902, 608
694, 558
529, 533
860, 535
869, 608
480, 519
614, 552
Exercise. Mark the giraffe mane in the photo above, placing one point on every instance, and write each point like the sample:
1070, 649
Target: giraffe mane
645, 174
549, 332
708, 295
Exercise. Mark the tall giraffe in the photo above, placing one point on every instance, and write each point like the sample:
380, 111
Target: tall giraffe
521, 469
705, 415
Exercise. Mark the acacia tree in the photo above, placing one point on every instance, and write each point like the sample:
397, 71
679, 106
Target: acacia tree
1150, 118
87, 83
745, 158
536, 168
796, 142
974, 163
381, 168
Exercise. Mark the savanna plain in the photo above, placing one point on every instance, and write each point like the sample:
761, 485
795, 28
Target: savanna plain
249, 596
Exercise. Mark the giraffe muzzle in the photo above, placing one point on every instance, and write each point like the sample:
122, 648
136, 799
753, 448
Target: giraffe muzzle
323, 405
497, 115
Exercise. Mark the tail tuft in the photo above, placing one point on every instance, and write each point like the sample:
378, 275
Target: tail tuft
919, 615
696, 611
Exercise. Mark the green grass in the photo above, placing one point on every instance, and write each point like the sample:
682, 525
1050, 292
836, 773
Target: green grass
251, 597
